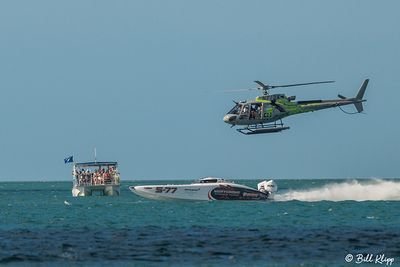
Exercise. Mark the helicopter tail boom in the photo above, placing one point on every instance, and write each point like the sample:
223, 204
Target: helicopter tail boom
360, 95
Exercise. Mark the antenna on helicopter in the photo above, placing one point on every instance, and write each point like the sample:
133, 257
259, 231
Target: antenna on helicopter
265, 87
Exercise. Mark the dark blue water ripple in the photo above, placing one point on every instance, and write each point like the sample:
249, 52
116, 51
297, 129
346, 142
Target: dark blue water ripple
195, 245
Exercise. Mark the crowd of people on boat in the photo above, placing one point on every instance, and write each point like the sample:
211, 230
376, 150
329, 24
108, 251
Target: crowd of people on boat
98, 176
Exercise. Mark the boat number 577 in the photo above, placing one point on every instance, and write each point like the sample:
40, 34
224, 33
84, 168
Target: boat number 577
166, 189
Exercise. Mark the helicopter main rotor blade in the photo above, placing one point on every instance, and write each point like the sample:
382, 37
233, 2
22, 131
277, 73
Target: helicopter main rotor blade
298, 84
240, 90
265, 87
260, 84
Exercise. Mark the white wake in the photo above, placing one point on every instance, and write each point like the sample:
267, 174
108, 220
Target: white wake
376, 189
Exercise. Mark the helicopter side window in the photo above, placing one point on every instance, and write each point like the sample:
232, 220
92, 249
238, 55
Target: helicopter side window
245, 109
267, 106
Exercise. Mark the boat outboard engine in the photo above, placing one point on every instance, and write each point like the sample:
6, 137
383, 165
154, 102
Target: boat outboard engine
269, 187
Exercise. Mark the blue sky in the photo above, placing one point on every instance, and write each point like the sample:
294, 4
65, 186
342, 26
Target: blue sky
142, 82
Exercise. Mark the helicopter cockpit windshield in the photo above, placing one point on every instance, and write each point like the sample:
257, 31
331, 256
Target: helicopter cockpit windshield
235, 110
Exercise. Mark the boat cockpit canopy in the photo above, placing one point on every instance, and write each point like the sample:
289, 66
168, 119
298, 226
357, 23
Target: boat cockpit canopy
211, 180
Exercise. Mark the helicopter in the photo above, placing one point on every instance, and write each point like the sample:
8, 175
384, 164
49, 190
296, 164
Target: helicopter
264, 114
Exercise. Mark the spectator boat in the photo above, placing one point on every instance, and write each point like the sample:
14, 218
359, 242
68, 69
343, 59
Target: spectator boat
95, 178
207, 189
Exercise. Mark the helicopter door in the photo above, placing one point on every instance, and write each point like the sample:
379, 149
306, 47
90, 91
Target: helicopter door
255, 111
245, 111
268, 111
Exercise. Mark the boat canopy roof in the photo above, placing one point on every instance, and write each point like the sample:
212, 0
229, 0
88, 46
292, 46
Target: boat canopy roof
210, 180
96, 164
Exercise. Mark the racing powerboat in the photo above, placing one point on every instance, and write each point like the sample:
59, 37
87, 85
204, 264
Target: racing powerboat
209, 188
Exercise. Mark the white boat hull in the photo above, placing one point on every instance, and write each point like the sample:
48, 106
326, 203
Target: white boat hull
100, 190
198, 191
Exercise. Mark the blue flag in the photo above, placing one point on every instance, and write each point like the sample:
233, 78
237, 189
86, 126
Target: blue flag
69, 160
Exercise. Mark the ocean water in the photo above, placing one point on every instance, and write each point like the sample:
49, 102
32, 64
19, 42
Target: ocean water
311, 222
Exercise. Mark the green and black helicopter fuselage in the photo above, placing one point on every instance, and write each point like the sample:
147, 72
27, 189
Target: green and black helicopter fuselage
262, 114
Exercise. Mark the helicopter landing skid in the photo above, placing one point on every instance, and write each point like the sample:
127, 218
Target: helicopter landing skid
263, 128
